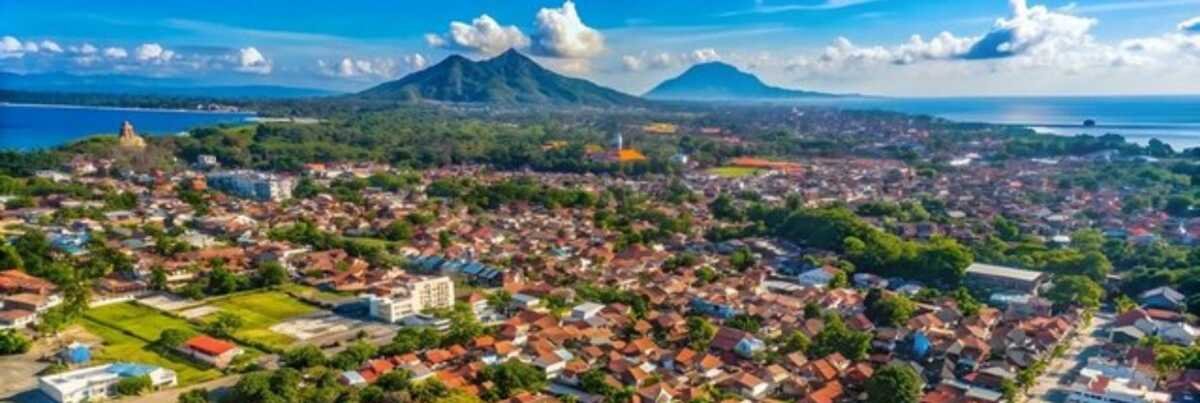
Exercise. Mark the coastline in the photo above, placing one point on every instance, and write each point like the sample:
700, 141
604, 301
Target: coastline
127, 108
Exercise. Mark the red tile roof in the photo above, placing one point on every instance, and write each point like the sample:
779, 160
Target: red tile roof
209, 346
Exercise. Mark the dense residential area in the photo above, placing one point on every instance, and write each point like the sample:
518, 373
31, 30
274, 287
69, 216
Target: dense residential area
713, 267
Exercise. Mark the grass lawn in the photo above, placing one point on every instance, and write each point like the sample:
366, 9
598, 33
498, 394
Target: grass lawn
104, 323
733, 172
315, 294
261, 310
144, 322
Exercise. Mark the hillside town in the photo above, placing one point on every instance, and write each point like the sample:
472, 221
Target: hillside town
533, 286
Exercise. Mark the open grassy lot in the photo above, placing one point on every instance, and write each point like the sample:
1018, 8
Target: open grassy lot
128, 331
315, 294
261, 310
144, 322
733, 172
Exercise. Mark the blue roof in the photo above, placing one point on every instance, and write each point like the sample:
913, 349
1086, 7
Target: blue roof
128, 369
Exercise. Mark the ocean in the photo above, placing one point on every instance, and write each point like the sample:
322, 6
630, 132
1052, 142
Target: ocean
1174, 120
30, 127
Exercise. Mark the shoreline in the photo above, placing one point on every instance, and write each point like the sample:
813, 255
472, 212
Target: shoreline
127, 108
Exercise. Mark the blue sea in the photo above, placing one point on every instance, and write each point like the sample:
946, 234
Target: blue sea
29, 127
1174, 120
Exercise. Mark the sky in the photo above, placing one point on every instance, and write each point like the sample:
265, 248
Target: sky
881, 47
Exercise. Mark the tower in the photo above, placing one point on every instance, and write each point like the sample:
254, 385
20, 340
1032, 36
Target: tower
129, 138
619, 141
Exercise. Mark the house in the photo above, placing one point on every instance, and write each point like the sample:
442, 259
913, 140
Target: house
215, 352
1094, 388
585, 311
1163, 298
819, 277
748, 385
99, 382
992, 277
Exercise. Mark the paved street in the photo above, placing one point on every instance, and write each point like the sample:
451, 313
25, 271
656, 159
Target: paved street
1053, 385
215, 387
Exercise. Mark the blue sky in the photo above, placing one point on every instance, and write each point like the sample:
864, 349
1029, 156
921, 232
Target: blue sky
965, 47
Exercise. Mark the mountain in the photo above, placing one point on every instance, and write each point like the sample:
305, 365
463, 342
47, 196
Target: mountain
720, 81
509, 78
136, 85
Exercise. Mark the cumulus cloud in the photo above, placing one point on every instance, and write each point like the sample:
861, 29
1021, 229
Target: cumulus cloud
115, 53
153, 53
561, 33
51, 46
1191, 25
11, 47
250, 60
667, 60
370, 69
1031, 35
483, 35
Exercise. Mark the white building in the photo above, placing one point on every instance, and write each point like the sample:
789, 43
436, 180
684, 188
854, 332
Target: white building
253, 185
586, 311
411, 295
99, 383
1092, 387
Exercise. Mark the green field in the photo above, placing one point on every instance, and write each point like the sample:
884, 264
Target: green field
733, 172
261, 310
128, 329
315, 294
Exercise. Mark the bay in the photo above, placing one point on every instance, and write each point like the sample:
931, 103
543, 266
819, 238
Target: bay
31, 127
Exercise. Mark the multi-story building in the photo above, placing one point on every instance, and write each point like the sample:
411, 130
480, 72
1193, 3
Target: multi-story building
99, 383
253, 185
998, 278
407, 296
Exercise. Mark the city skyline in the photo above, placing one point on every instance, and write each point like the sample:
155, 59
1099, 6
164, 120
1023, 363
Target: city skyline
884, 47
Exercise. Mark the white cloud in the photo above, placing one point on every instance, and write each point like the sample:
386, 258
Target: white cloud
666, 60
152, 53
84, 49
561, 33
1191, 25
10, 47
1032, 35
51, 46
483, 35
761, 8
415, 61
30, 47
250, 60
115, 53
372, 69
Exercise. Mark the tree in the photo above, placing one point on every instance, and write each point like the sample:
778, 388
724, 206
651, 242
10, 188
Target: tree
158, 279
511, 377
1125, 304
744, 322
12, 342
397, 379
894, 383
271, 274
700, 333
966, 302
1075, 290
500, 301
840, 280
795, 342
172, 338
889, 309
353, 356
741, 259
132, 386
306, 356
837, 338
198, 395
225, 325
398, 230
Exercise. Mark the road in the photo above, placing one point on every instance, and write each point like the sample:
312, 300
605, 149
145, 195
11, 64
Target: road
215, 387
1052, 387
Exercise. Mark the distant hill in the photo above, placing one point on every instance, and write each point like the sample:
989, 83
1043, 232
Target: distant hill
510, 78
720, 81
135, 85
